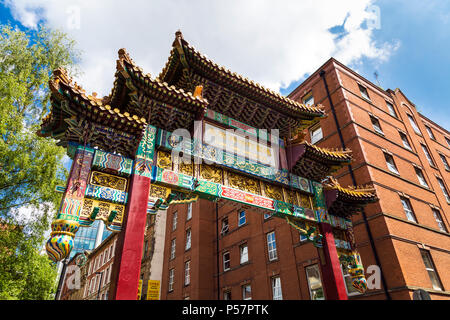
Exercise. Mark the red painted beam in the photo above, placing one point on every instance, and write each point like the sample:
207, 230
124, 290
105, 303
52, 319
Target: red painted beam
333, 280
128, 253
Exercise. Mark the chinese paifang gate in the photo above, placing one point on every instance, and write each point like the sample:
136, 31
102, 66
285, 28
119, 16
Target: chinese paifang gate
123, 148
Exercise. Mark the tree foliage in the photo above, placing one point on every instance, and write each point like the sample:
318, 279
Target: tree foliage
30, 166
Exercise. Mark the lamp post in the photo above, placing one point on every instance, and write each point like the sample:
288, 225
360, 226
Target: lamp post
100, 284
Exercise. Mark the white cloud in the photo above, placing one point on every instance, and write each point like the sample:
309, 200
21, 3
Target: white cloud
271, 42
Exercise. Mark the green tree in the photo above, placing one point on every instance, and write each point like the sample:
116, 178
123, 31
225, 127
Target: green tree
30, 166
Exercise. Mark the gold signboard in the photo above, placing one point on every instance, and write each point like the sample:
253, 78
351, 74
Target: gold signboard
153, 290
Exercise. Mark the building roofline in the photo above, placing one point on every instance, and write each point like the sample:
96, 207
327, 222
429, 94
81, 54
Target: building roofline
333, 60
434, 123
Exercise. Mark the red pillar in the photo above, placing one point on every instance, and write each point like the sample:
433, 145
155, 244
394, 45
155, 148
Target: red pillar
129, 245
333, 280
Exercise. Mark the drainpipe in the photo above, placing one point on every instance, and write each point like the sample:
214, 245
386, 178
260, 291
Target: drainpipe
352, 175
217, 250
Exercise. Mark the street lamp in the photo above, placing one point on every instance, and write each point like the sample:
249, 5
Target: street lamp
100, 284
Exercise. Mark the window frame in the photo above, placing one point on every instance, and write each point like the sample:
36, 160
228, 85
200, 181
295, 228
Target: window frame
187, 272
413, 124
225, 225
431, 269
364, 92
272, 246
188, 239
244, 291
405, 141
276, 289
430, 133
173, 247
224, 261
438, 217
444, 189
427, 154
174, 220
421, 177
408, 209
314, 266
376, 125
308, 97
391, 109
244, 217
241, 247
311, 134
171, 279
189, 212
444, 161
394, 166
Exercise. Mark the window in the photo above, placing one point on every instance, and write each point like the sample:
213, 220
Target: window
376, 125
171, 279
363, 91
226, 261
308, 99
188, 239
351, 291
390, 163
172, 249
430, 133
414, 125
242, 218
314, 283
225, 227
227, 295
276, 289
405, 141
174, 220
244, 253
421, 178
444, 161
391, 109
444, 190
447, 140
408, 210
187, 272
439, 221
429, 266
272, 246
189, 212
316, 134
247, 292
427, 154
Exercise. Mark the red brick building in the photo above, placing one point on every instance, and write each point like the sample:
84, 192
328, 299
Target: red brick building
224, 252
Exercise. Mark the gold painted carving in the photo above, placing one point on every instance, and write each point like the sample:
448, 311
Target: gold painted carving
108, 180
187, 169
274, 192
305, 200
290, 197
159, 192
211, 173
105, 210
243, 183
164, 160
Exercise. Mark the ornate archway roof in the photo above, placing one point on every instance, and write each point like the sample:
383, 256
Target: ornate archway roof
346, 201
315, 163
187, 67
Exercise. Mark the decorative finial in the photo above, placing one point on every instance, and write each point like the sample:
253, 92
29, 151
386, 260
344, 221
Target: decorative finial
198, 92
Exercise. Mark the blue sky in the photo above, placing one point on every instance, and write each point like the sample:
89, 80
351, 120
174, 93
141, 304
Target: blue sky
419, 65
